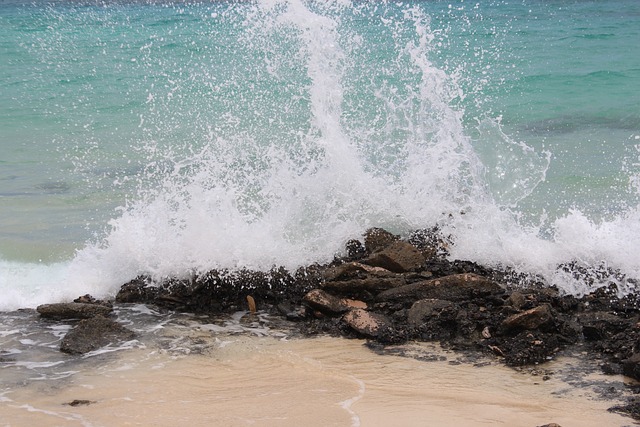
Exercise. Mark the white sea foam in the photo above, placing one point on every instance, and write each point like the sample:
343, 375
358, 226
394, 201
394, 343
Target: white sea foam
27, 285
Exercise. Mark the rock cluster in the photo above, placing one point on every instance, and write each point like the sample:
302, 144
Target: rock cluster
390, 290
93, 330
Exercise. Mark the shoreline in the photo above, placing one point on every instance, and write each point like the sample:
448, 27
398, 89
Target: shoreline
268, 381
394, 295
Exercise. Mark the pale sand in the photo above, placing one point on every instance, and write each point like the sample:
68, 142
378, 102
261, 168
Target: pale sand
315, 382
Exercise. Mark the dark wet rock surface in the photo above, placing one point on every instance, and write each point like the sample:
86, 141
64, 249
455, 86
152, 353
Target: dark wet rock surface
94, 333
80, 402
73, 310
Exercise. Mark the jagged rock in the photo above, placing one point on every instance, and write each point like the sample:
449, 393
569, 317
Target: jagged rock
359, 287
325, 302
376, 239
355, 270
452, 288
366, 323
398, 257
530, 319
425, 309
91, 334
73, 310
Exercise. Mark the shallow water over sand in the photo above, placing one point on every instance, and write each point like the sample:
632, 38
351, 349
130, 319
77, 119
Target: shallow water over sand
242, 380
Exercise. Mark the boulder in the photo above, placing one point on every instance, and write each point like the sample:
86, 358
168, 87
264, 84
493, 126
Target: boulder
73, 310
91, 334
398, 257
452, 288
425, 309
365, 323
530, 319
325, 302
376, 239
138, 290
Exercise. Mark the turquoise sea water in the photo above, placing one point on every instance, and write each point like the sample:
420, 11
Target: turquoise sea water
166, 138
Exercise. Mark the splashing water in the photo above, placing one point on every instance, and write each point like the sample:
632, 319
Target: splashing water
247, 199
269, 133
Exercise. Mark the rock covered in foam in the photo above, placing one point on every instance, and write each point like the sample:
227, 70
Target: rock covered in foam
376, 239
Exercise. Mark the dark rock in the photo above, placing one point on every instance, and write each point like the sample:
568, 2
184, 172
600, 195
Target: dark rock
527, 348
73, 310
599, 325
425, 309
452, 288
290, 311
398, 257
138, 290
365, 323
91, 334
223, 290
363, 288
630, 409
530, 319
80, 402
631, 366
376, 239
355, 249
611, 369
325, 302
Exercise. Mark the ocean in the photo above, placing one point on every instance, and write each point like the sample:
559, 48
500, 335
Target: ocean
171, 138
163, 138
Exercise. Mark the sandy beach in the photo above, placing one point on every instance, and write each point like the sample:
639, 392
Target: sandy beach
264, 381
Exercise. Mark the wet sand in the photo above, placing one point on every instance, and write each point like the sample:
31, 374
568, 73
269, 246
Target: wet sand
264, 381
